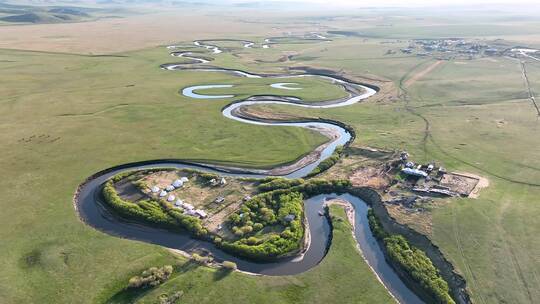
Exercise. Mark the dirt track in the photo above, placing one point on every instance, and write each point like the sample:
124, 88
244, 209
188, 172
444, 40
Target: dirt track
418, 75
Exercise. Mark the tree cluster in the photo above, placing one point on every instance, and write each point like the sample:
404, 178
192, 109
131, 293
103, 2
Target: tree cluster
151, 277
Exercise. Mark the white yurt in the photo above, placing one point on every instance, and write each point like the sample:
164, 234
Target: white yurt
155, 189
184, 179
170, 188
171, 198
178, 183
162, 193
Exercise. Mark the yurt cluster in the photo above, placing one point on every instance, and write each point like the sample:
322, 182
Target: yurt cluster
167, 194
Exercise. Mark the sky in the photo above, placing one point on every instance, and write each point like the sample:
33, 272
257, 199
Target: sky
415, 2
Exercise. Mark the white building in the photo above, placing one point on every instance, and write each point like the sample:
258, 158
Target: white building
155, 189
163, 193
184, 179
190, 212
170, 188
171, 198
414, 172
178, 183
201, 213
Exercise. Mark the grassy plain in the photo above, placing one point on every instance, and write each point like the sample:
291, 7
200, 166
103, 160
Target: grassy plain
67, 116
309, 88
358, 286
478, 121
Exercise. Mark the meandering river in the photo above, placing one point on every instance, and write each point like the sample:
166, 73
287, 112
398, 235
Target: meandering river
92, 210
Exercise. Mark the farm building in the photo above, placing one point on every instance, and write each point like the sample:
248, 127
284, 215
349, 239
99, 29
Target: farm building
414, 172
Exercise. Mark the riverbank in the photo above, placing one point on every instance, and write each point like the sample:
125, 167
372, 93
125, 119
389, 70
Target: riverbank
456, 282
350, 213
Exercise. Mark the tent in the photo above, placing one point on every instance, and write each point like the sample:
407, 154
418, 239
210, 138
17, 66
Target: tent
177, 183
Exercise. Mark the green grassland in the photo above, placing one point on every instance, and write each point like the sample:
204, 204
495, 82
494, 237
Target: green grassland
479, 121
311, 89
358, 286
67, 116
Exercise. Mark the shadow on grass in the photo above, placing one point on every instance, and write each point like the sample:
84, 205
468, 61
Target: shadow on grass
128, 295
221, 274
187, 266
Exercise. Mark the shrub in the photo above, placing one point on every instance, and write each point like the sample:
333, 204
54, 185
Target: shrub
413, 260
151, 277
208, 176
275, 245
278, 183
166, 299
199, 259
327, 163
229, 265
257, 226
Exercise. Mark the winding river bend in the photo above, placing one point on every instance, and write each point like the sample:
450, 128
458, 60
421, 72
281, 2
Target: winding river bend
93, 211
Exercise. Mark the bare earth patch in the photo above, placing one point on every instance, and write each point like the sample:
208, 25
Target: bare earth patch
416, 76
373, 177
482, 183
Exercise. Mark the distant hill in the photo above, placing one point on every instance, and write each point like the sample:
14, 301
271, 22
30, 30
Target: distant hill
68, 11
13, 13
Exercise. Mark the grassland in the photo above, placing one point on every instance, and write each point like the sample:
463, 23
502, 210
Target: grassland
478, 121
358, 285
311, 89
66, 116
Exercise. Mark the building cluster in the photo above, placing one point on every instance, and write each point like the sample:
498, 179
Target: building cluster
426, 177
167, 194
218, 182
452, 47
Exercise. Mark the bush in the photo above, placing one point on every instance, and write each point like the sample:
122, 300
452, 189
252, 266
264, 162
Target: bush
375, 225
413, 260
208, 176
229, 265
278, 183
275, 245
200, 259
257, 226
327, 163
166, 299
151, 277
